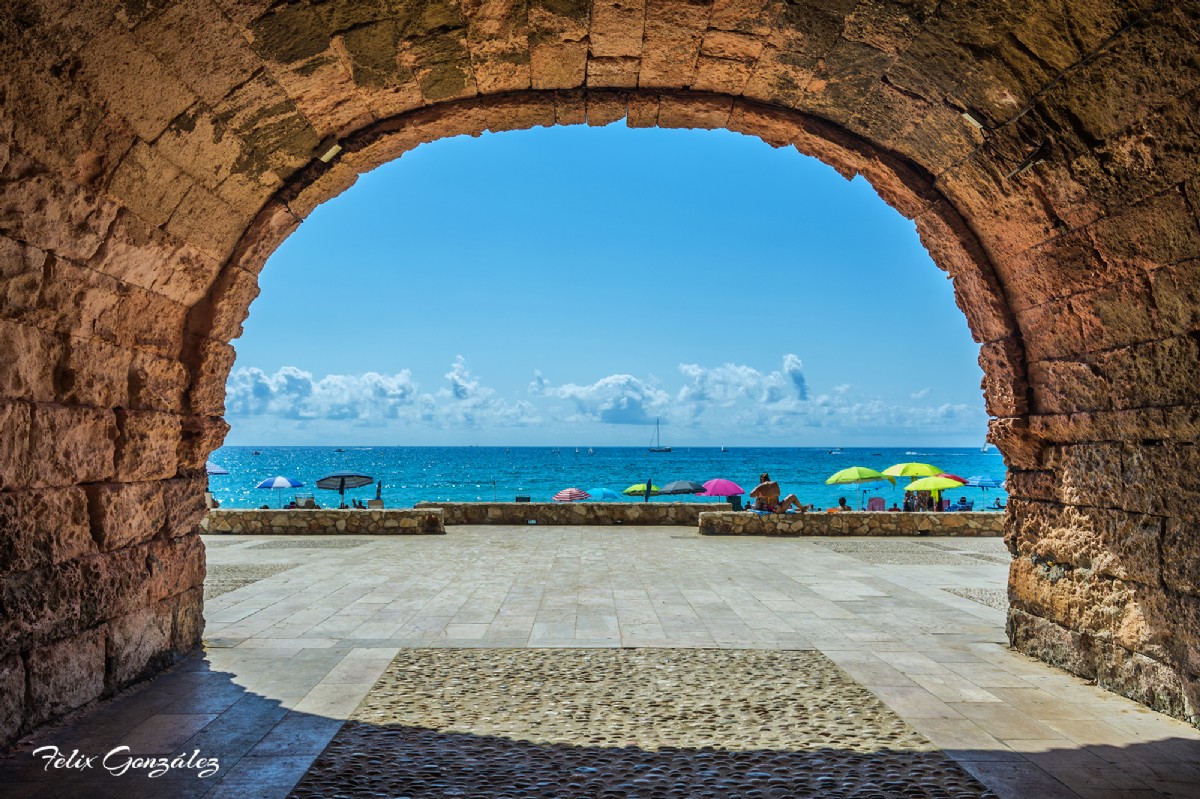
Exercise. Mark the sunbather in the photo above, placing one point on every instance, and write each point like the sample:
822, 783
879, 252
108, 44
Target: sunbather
766, 497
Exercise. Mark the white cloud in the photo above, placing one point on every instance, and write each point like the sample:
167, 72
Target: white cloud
922, 394
724, 386
293, 393
616, 399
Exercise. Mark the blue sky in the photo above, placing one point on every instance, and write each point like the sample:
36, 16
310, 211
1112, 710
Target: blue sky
570, 285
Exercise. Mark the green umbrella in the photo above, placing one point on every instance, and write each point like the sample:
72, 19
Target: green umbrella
858, 474
640, 489
933, 484
912, 470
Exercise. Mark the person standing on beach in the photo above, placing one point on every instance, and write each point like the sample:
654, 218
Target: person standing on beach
649, 487
766, 497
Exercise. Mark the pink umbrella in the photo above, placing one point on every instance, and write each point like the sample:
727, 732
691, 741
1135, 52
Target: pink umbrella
571, 495
949, 476
721, 487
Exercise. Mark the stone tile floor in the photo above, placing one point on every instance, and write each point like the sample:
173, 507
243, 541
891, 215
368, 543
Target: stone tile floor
290, 656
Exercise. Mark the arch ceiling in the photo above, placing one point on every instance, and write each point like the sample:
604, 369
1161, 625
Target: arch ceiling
154, 153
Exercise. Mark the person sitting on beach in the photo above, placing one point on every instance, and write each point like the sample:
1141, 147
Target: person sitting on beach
842, 504
894, 509
766, 497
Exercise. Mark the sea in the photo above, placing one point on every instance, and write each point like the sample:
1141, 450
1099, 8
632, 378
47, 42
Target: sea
488, 474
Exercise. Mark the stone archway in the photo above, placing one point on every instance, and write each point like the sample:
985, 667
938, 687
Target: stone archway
155, 153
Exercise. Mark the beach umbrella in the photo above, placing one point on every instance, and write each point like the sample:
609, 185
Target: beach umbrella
571, 495
950, 476
858, 474
682, 487
720, 487
212, 468
603, 493
934, 485
340, 481
984, 482
912, 470
279, 483
646, 490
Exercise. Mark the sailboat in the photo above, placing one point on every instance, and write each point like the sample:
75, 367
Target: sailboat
656, 444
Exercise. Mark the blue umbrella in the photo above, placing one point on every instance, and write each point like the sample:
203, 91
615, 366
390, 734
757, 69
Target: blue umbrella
279, 482
603, 493
984, 482
212, 468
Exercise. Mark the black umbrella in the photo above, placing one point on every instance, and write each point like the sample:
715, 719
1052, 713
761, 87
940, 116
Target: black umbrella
340, 481
682, 487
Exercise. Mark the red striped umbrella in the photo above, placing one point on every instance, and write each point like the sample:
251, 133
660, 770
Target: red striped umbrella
571, 495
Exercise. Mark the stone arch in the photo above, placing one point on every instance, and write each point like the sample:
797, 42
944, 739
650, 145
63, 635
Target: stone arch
153, 154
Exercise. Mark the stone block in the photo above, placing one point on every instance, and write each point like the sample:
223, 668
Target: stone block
617, 28
1181, 549
125, 513
1175, 293
1022, 449
611, 73
210, 362
14, 443
208, 223
200, 435
139, 253
228, 305
671, 41
12, 697
65, 675
207, 53
27, 364
147, 445
22, 270
68, 446
605, 108
188, 626
1110, 543
156, 383
558, 65
175, 565
40, 528
184, 502
721, 75
677, 111
139, 644
133, 82
52, 215
148, 184
93, 373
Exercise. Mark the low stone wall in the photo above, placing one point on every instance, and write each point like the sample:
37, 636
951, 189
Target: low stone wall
686, 514
423, 521
852, 523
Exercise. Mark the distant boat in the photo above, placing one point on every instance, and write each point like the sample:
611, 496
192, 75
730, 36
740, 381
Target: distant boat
577, 450
835, 451
591, 451
723, 449
986, 446
656, 442
256, 452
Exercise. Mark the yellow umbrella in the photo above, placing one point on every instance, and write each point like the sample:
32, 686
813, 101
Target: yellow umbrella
858, 474
913, 470
934, 485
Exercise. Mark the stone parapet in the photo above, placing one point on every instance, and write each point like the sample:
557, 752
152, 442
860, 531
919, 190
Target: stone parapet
686, 514
851, 523
408, 521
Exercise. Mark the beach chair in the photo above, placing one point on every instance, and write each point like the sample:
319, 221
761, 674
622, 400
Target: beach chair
306, 502
876, 503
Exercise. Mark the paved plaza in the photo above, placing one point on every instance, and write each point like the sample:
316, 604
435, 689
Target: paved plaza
878, 657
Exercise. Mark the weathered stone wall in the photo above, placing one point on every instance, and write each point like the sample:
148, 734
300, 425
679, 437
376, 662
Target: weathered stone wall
647, 513
852, 523
152, 155
423, 521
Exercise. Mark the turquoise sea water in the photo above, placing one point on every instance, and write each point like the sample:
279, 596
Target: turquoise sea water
484, 474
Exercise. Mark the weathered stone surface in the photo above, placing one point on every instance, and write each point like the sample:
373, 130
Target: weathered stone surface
409, 521
40, 528
156, 383
147, 445
1110, 543
188, 626
93, 373
184, 502
68, 446
199, 436
850, 523
125, 513
174, 566
27, 365
139, 644
65, 675
12, 697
